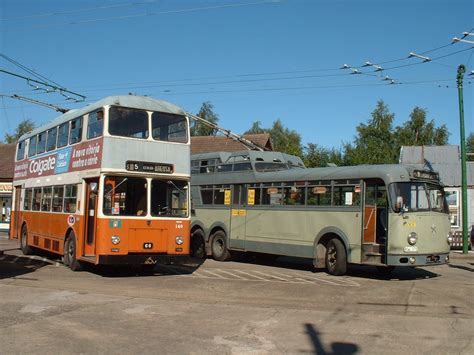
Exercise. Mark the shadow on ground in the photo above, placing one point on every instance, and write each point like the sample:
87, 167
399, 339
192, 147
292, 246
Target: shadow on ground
336, 347
117, 271
12, 266
361, 271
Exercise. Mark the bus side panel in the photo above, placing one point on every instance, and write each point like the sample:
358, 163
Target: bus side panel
142, 236
48, 230
292, 233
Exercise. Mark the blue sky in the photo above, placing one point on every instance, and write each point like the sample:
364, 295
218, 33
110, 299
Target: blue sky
253, 59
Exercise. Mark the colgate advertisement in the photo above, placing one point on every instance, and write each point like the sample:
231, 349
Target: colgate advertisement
87, 155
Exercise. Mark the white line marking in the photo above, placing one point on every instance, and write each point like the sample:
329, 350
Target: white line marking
269, 275
234, 275
213, 273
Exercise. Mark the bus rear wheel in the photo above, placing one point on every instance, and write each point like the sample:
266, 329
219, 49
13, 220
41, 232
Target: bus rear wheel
70, 253
336, 258
25, 248
219, 247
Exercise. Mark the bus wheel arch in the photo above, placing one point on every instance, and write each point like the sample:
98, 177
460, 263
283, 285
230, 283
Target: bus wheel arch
198, 247
219, 245
25, 248
331, 252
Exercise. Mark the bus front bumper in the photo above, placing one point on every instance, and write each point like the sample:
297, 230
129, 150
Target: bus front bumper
143, 259
417, 260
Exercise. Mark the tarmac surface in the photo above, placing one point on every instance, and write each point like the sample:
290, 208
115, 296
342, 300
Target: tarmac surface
239, 307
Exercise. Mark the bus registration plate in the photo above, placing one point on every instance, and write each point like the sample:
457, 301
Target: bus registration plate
147, 245
411, 249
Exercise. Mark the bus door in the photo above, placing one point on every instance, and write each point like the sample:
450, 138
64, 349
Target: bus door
238, 215
16, 225
92, 190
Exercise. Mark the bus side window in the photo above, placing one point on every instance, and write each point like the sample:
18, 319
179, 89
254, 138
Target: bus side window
63, 135
75, 134
32, 146
95, 124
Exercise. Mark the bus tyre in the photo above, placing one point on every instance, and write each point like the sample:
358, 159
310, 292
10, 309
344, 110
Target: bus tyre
219, 247
336, 260
24, 241
198, 248
70, 253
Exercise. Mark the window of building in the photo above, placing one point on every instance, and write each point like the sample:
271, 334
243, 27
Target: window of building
128, 122
75, 133
95, 124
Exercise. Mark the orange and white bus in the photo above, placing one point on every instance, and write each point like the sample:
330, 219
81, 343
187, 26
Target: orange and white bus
106, 184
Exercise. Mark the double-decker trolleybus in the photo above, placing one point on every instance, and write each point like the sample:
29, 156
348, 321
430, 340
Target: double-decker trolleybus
106, 184
267, 202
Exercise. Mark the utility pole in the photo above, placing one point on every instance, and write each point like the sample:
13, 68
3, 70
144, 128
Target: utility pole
461, 70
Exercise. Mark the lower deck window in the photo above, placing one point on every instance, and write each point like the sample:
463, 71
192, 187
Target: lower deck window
125, 196
169, 198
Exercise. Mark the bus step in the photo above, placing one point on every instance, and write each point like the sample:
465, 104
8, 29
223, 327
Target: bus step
371, 248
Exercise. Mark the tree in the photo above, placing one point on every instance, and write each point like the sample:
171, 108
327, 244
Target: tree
285, 140
470, 146
23, 127
206, 112
256, 128
374, 143
417, 131
316, 156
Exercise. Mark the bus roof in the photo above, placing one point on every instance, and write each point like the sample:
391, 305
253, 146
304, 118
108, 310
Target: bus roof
131, 101
387, 172
252, 156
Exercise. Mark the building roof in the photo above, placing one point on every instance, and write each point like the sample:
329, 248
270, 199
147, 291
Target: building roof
446, 160
207, 144
7, 155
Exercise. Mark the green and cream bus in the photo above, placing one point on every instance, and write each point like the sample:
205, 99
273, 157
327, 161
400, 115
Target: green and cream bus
268, 202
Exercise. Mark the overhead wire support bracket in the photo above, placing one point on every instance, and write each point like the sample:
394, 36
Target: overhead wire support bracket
53, 87
228, 133
425, 59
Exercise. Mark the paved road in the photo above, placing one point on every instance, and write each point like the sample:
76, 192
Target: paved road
240, 307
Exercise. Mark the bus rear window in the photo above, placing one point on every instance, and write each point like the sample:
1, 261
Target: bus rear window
128, 122
169, 127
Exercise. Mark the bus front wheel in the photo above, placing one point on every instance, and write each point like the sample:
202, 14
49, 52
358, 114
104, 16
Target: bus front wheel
336, 259
25, 248
219, 247
70, 253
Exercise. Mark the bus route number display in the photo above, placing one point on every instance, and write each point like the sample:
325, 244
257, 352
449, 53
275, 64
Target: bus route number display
146, 167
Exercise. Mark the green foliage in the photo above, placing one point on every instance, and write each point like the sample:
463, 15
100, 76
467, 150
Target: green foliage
24, 126
256, 128
417, 131
470, 146
316, 156
206, 112
374, 143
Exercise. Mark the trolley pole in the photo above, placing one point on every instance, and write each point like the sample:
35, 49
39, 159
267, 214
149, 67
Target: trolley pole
461, 70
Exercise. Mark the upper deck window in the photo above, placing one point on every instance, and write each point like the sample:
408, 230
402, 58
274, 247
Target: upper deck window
128, 122
95, 125
41, 144
32, 147
51, 140
63, 134
169, 127
20, 154
75, 134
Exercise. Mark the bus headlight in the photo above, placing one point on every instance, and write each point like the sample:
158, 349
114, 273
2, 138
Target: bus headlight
412, 238
115, 239
450, 238
179, 240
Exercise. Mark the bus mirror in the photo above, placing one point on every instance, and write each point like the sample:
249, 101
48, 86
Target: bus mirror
93, 186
